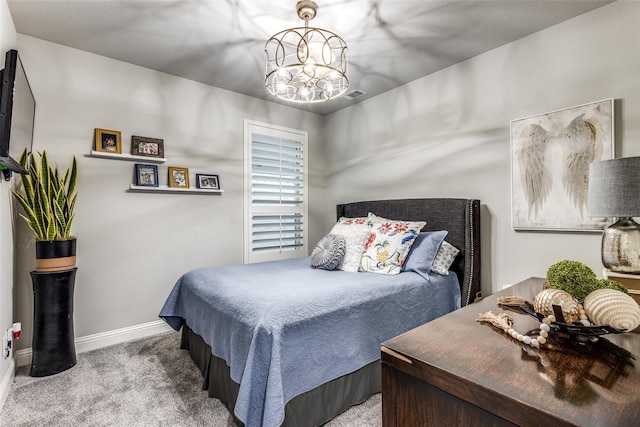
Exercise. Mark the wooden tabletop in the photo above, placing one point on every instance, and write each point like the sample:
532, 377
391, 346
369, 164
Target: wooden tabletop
559, 384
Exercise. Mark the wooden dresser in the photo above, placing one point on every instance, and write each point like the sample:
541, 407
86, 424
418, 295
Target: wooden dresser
454, 371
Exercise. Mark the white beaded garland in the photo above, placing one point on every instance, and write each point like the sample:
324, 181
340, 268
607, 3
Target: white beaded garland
545, 328
504, 322
532, 341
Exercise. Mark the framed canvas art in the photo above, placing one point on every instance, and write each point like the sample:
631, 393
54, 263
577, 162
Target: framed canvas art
550, 158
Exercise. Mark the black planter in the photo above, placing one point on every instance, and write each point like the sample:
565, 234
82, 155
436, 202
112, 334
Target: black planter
55, 248
55, 255
53, 345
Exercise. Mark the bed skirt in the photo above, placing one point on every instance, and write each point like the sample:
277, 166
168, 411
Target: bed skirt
309, 409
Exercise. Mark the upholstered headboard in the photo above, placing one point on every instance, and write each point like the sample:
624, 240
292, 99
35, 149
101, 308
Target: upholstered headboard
460, 217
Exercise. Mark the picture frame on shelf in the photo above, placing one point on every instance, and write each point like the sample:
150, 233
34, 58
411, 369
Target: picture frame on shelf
207, 181
145, 146
146, 175
178, 177
108, 141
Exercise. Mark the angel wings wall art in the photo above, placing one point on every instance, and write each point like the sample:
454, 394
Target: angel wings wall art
550, 158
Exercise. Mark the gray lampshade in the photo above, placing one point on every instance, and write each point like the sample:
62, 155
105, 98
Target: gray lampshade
614, 188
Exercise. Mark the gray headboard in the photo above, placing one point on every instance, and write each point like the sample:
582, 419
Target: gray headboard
460, 217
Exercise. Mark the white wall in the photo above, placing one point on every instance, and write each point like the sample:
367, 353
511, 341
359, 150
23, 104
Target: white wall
132, 247
7, 41
447, 134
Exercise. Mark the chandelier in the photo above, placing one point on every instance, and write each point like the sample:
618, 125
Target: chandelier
306, 64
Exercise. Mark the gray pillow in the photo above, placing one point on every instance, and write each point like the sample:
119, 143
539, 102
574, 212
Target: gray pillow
328, 252
445, 257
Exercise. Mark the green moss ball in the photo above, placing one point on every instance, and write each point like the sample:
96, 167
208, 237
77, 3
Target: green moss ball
573, 277
611, 284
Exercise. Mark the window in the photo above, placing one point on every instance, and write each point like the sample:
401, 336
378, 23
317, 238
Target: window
275, 192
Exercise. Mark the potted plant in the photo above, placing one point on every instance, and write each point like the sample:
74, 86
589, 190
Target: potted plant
48, 201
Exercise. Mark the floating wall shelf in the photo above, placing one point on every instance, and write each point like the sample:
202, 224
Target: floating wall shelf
126, 157
167, 189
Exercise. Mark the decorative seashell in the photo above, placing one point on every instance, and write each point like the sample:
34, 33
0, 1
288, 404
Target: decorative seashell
545, 300
614, 308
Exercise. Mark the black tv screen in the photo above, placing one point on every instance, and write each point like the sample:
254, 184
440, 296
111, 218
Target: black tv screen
17, 113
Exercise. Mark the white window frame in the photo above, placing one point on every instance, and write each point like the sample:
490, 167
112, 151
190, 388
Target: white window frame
252, 127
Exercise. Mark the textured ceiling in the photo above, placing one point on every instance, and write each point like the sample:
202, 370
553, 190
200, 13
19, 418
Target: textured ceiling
221, 42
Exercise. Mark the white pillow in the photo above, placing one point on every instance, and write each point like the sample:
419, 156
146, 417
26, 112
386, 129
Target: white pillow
386, 252
355, 232
354, 247
350, 226
446, 255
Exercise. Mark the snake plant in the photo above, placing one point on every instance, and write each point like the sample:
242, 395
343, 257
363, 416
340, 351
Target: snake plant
46, 199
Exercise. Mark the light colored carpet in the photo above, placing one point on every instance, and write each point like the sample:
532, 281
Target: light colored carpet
148, 382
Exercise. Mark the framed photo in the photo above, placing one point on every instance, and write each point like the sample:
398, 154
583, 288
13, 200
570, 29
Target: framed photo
109, 141
143, 146
146, 175
178, 177
209, 182
550, 158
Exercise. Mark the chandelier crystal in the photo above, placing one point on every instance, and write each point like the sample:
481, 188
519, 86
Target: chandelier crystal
306, 64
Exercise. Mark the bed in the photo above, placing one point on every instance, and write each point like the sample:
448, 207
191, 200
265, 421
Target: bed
279, 350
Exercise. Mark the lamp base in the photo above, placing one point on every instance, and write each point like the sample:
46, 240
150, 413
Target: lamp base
621, 246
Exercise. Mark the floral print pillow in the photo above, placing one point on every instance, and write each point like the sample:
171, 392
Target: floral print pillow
350, 225
389, 244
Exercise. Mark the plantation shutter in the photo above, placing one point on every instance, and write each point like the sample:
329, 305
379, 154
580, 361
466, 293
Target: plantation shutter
275, 174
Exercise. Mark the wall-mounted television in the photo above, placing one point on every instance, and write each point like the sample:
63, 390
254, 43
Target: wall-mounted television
17, 114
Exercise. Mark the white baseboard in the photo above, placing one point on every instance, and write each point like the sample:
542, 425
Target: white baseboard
5, 385
105, 339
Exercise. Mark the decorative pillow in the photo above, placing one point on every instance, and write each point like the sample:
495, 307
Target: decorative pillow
328, 253
355, 232
354, 247
387, 249
446, 255
423, 252
350, 225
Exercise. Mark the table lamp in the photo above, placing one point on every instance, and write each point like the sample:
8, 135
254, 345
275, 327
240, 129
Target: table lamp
614, 191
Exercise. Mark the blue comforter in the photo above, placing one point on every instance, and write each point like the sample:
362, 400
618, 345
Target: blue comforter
285, 328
